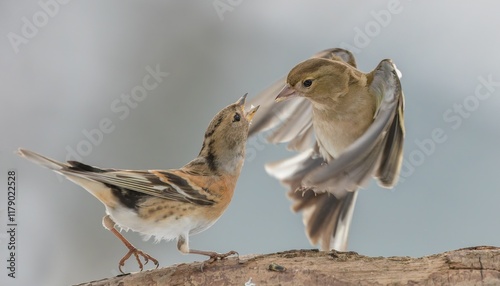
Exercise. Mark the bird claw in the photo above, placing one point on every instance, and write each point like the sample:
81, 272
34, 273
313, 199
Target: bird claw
303, 190
218, 256
136, 252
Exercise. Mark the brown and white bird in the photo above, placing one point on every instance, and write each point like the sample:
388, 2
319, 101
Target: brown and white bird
169, 204
348, 126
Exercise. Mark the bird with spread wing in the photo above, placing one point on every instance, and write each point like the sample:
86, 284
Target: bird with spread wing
348, 127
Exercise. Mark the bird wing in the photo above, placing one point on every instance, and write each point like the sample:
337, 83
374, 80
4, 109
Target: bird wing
172, 185
290, 121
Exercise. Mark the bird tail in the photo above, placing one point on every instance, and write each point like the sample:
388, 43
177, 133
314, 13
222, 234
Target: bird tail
42, 160
326, 217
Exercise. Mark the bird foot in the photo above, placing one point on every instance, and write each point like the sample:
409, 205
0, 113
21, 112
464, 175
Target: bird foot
218, 256
136, 252
304, 190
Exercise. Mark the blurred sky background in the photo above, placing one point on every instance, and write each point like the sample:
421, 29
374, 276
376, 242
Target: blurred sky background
64, 77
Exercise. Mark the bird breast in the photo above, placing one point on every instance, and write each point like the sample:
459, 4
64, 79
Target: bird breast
335, 132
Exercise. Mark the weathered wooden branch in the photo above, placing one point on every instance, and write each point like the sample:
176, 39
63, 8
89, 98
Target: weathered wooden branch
468, 266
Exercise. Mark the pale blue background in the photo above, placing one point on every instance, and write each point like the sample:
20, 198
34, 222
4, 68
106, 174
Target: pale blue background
64, 80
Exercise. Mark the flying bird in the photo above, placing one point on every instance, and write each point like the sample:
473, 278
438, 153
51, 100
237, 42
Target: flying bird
168, 204
347, 126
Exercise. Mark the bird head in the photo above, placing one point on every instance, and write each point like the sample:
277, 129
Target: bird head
232, 121
317, 79
226, 135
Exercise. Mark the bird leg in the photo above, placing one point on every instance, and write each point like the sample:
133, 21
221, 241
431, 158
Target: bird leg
109, 224
183, 246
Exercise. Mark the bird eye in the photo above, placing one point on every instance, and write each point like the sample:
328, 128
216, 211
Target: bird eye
307, 82
236, 117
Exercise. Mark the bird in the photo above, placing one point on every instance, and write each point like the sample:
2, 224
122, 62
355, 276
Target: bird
347, 126
168, 204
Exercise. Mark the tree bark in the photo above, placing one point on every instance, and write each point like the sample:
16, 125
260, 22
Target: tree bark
469, 266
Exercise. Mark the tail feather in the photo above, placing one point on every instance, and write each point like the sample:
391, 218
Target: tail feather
81, 174
328, 220
68, 168
326, 217
42, 160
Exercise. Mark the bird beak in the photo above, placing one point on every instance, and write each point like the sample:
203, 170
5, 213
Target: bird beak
251, 112
286, 93
241, 101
